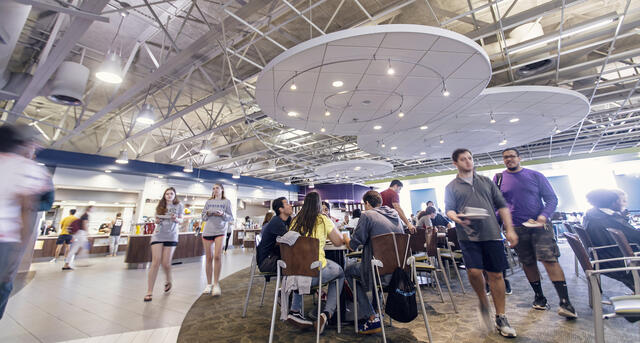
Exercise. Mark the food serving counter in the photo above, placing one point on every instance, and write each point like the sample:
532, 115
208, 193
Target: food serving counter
98, 244
139, 248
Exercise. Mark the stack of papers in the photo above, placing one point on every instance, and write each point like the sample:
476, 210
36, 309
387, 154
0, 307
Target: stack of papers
474, 212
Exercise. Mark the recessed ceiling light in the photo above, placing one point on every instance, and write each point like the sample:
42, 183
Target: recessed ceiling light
492, 121
357, 168
322, 129
401, 114
503, 142
424, 127
107, 171
377, 127
445, 92
293, 87
337, 83
423, 153
383, 145
441, 141
327, 113
514, 120
292, 113
160, 177
201, 181
394, 147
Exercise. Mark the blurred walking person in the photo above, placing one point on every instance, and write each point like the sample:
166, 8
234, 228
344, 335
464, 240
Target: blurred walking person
79, 228
23, 182
114, 235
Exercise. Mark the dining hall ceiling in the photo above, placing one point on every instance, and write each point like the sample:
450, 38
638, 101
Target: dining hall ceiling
197, 62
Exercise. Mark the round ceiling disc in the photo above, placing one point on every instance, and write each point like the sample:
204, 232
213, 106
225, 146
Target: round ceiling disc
373, 79
354, 169
522, 114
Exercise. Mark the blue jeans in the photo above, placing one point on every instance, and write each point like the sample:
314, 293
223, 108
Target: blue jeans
330, 272
10, 256
365, 309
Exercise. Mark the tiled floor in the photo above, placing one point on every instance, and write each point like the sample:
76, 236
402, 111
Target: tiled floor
104, 302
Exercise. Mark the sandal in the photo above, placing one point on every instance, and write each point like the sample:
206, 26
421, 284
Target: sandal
148, 298
167, 287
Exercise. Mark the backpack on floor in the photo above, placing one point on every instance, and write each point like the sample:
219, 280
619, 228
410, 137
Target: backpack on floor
401, 301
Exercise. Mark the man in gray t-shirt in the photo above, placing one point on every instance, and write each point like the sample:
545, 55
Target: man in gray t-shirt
479, 235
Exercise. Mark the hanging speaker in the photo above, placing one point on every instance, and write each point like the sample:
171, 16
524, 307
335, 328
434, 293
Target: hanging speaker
69, 84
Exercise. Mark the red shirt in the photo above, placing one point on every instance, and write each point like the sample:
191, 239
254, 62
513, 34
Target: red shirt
389, 196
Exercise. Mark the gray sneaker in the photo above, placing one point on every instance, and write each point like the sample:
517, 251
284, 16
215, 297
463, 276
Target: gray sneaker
503, 327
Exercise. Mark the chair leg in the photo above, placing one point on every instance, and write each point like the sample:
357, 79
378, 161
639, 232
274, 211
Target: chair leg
455, 267
375, 293
319, 304
424, 311
447, 269
264, 288
275, 307
598, 325
355, 306
575, 265
446, 281
435, 276
338, 303
246, 300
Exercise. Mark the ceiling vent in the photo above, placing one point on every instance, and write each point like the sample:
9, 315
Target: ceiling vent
536, 67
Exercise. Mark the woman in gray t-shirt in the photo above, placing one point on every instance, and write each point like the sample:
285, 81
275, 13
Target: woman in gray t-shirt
164, 239
217, 216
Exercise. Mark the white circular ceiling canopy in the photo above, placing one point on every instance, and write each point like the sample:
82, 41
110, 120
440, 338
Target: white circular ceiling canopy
500, 117
373, 79
354, 169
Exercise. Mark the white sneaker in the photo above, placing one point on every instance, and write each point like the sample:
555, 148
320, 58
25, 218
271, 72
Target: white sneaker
207, 290
216, 291
53, 260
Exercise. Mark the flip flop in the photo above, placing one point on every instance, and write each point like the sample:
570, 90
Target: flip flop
167, 287
148, 298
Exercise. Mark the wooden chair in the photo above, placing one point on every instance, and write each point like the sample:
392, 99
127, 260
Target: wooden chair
301, 259
623, 305
385, 261
266, 277
569, 228
626, 250
446, 254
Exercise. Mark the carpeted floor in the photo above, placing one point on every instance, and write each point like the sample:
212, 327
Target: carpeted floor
219, 319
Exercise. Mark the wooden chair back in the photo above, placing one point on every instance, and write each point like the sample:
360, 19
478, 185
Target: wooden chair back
569, 228
452, 236
300, 256
584, 236
622, 242
418, 240
432, 241
579, 251
384, 250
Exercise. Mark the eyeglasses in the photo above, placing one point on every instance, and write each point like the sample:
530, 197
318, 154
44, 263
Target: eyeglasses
506, 157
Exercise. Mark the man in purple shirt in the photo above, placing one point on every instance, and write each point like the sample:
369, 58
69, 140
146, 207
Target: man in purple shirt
531, 201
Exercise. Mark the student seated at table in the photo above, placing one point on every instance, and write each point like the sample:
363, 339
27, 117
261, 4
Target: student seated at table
310, 222
375, 220
606, 213
268, 252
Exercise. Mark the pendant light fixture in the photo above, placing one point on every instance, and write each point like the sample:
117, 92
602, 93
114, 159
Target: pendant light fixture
110, 70
123, 158
147, 114
287, 182
188, 168
204, 148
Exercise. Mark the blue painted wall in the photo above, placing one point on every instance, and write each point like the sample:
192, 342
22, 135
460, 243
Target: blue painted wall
631, 185
59, 158
562, 187
420, 196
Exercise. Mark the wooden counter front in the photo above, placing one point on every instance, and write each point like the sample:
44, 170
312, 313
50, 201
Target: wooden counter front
46, 245
139, 248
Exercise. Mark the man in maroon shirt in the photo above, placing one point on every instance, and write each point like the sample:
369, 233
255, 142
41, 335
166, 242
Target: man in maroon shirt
391, 199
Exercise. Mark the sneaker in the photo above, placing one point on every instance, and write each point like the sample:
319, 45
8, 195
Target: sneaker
207, 290
486, 316
503, 327
216, 292
297, 319
53, 260
370, 326
322, 322
540, 303
567, 310
507, 287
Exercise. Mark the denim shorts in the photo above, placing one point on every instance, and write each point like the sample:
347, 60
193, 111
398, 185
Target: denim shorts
486, 255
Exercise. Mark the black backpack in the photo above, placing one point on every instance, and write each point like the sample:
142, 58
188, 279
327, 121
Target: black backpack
401, 301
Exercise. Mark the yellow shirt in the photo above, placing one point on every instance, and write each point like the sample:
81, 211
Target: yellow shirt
64, 224
321, 231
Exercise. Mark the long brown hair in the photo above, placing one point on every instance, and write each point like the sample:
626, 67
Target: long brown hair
162, 204
267, 217
221, 186
305, 221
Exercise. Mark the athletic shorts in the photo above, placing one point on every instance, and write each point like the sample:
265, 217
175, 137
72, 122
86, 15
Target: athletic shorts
212, 238
486, 255
166, 244
536, 244
64, 239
